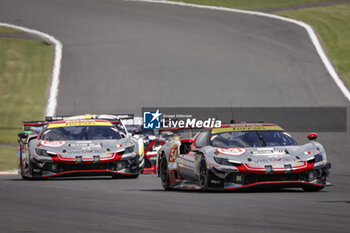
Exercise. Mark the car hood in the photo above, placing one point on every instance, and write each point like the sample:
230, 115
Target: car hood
261, 156
93, 147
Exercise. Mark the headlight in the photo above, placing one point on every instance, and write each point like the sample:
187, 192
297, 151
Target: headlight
315, 159
221, 161
129, 149
43, 152
318, 158
227, 162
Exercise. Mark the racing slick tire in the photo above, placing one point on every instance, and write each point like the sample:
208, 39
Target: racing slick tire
21, 165
164, 173
203, 175
312, 188
34, 175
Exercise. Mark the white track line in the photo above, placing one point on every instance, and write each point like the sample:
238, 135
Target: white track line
52, 101
307, 27
10, 172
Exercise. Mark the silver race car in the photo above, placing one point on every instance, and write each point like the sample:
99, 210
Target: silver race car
78, 147
240, 156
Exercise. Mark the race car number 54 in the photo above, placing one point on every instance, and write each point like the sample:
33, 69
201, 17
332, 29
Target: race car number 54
173, 154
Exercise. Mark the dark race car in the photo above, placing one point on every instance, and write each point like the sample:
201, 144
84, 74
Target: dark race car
242, 155
76, 148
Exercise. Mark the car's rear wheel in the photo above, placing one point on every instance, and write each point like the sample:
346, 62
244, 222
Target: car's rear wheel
312, 188
203, 175
164, 173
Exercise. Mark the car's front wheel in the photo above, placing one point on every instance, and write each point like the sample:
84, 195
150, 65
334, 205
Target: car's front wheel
203, 175
34, 172
164, 173
24, 177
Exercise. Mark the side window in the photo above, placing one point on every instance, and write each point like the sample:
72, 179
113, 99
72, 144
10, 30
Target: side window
185, 148
203, 139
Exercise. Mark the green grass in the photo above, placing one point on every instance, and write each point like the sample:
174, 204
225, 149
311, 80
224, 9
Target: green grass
8, 158
333, 25
252, 4
6, 30
25, 68
24, 73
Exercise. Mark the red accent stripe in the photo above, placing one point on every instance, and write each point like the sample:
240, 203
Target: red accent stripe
150, 170
151, 154
88, 171
35, 124
150, 146
60, 159
246, 168
275, 182
39, 135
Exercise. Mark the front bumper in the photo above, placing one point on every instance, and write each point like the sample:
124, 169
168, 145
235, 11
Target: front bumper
235, 179
122, 167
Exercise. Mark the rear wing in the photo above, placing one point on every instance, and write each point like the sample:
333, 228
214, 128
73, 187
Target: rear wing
109, 117
33, 126
36, 126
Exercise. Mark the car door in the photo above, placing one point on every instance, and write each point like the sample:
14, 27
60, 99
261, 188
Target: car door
191, 156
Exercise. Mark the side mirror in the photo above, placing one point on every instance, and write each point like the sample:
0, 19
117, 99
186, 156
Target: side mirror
312, 136
22, 135
186, 144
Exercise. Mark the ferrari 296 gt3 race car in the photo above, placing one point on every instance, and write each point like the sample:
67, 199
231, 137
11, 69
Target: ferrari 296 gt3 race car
78, 147
242, 155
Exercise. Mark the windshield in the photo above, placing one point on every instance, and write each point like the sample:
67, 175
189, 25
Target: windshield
252, 139
80, 133
120, 127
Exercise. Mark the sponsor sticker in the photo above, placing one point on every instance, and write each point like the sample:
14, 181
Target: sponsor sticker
173, 153
245, 128
86, 146
79, 123
231, 151
270, 152
52, 143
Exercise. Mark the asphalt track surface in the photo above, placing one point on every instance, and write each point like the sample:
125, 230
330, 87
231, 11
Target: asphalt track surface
121, 56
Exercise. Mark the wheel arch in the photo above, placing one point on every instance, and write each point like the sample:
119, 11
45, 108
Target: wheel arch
201, 155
